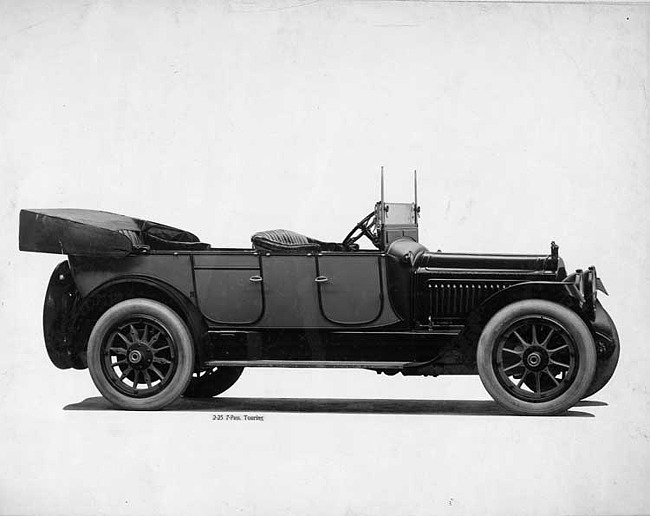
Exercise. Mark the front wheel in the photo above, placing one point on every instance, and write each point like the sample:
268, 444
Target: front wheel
140, 355
536, 357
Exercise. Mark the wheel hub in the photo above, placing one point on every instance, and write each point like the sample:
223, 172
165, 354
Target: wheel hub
139, 356
535, 358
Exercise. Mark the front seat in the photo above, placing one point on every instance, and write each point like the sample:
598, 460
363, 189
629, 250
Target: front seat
284, 240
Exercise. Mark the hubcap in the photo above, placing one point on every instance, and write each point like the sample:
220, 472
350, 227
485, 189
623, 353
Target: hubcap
534, 359
140, 356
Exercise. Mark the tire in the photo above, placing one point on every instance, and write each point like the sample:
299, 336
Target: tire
210, 383
606, 363
140, 355
536, 339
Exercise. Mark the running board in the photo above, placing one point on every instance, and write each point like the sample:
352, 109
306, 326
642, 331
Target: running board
306, 363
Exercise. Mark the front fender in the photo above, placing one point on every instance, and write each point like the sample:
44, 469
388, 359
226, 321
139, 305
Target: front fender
605, 334
564, 293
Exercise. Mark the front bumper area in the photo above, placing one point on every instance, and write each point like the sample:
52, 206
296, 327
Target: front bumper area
605, 334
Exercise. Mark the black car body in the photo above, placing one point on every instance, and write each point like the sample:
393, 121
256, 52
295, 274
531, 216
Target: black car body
155, 313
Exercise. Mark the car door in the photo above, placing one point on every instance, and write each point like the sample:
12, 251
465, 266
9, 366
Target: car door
290, 292
229, 287
350, 287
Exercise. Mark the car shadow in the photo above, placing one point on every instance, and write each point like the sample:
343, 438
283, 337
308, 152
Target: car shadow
591, 403
331, 406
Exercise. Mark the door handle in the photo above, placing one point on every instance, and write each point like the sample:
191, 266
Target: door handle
255, 279
321, 279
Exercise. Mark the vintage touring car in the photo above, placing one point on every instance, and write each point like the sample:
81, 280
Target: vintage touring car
154, 313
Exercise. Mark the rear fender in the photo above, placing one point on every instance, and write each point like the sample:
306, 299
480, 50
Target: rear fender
61, 299
129, 287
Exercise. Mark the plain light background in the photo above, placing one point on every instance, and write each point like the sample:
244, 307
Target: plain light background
527, 123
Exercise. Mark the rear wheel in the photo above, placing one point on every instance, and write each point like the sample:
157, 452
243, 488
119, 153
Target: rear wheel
536, 357
140, 355
212, 382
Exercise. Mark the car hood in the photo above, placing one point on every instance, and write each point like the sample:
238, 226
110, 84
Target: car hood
501, 262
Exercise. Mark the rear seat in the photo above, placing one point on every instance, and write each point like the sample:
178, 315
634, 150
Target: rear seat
133, 236
162, 244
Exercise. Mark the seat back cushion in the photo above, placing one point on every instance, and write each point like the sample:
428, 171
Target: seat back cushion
284, 240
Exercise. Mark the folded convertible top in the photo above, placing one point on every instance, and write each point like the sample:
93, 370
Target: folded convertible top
97, 233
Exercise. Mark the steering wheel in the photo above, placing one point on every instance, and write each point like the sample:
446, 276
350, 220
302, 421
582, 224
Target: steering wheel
366, 227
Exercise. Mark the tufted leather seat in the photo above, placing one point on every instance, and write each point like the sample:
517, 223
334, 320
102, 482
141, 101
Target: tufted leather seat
284, 240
